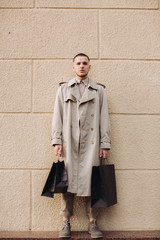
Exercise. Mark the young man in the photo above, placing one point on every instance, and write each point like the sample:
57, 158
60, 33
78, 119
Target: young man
81, 133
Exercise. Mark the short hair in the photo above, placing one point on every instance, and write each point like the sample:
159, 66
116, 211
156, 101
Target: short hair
81, 54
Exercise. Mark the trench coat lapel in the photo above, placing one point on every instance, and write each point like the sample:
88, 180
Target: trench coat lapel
73, 93
89, 93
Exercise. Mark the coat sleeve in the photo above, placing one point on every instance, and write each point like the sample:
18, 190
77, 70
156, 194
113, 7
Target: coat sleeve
57, 119
104, 122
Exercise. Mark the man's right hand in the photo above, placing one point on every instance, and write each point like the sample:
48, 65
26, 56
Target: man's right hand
58, 150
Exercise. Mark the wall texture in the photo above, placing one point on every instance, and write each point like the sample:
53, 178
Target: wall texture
38, 40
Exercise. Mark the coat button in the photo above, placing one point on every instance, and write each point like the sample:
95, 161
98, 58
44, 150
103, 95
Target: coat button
91, 129
92, 115
92, 142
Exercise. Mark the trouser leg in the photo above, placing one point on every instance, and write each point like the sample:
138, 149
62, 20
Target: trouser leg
67, 204
90, 212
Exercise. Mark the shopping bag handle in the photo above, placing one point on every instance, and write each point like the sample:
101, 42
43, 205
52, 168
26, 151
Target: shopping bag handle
58, 158
102, 160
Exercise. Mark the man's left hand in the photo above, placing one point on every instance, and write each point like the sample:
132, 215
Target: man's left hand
103, 153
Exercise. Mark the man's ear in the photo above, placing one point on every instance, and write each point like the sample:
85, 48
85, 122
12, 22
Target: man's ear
73, 68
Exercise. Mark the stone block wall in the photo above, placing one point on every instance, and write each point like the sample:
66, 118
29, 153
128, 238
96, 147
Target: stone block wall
38, 40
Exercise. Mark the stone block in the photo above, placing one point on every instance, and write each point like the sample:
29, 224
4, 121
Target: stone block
16, 3
132, 87
138, 195
25, 141
15, 200
48, 33
45, 210
135, 141
48, 75
130, 34
15, 86
151, 4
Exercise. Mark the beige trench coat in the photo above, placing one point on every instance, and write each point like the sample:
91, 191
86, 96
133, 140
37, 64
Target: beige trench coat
81, 125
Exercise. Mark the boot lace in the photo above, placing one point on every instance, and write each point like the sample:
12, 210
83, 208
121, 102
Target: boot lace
66, 224
94, 226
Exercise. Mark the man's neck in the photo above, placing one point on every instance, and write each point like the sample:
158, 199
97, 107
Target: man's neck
82, 78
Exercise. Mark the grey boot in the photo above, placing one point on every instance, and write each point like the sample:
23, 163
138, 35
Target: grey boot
66, 230
94, 230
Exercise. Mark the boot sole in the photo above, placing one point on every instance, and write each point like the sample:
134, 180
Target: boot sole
101, 236
62, 236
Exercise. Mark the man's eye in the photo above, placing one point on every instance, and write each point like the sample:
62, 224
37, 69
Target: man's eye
85, 63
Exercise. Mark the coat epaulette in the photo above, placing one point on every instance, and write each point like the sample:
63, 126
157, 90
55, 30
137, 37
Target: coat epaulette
61, 83
101, 85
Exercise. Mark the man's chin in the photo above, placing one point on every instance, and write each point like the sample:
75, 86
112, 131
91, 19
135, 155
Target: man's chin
82, 75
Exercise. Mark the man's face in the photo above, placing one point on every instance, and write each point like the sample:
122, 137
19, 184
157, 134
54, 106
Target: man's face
81, 67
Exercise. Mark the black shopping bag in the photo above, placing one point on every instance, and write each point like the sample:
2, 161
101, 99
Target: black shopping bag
56, 181
103, 186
